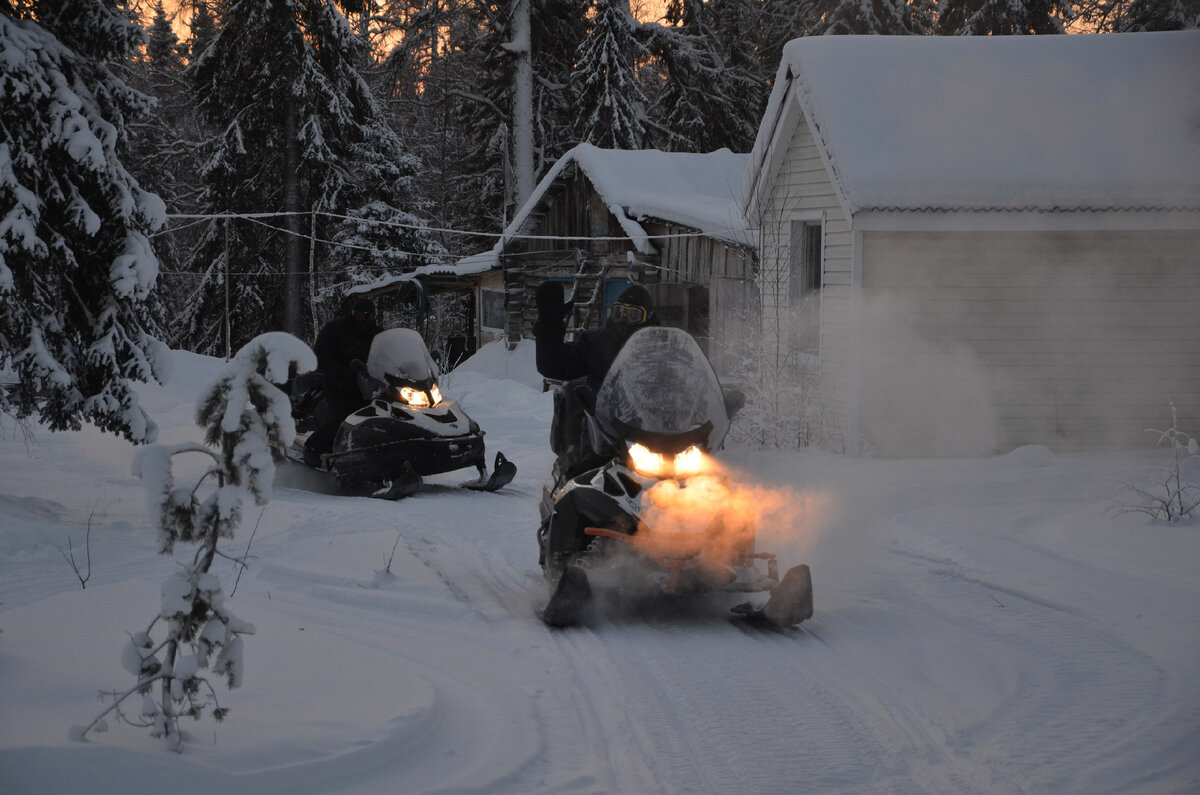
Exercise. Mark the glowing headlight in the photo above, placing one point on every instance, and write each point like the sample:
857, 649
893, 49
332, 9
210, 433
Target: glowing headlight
419, 399
645, 461
435, 394
684, 464
689, 462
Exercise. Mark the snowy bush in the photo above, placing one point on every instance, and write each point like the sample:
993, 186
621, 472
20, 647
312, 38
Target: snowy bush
243, 414
785, 405
1172, 491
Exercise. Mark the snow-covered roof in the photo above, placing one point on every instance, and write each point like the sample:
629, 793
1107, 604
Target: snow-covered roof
1043, 123
698, 191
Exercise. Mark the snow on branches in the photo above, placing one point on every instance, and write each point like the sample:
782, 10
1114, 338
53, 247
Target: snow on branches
243, 414
77, 268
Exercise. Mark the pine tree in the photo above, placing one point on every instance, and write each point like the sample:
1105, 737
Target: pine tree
1136, 16
450, 77
711, 97
612, 105
77, 270
558, 31
299, 133
889, 17
203, 28
452, 90
164, 151
779, 22
1003, 17
163, 51
1148, 15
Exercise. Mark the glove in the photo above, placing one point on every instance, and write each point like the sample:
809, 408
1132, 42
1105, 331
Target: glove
551, 309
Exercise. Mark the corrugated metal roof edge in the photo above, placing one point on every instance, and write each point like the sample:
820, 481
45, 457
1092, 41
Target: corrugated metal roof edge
1034, 209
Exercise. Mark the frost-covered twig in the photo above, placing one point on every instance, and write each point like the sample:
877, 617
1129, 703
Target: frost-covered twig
1169, 492
69, 555
392, 556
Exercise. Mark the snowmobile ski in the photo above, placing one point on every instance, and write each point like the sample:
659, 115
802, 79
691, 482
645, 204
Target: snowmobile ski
406, 484
572, 598
503, 471
791, 602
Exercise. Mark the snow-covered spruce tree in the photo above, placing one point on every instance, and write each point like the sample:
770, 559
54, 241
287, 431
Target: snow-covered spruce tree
369, 207
612, 105
558, 30
299, 133
77, 269
780, 21
1003, 17
164, 153
1124, 16
243, 414
203, 28
415, 82
474, 78
888, 17
711, 97
1148, 15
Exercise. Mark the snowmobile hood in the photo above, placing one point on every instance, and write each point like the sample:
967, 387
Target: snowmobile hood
401, 354
662, 385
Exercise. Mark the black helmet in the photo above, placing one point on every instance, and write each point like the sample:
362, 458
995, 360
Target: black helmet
363, 310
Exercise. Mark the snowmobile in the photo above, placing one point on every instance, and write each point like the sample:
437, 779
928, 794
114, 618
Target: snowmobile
657, 517
406, 430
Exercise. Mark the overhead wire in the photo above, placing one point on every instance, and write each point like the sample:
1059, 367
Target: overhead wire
436, 259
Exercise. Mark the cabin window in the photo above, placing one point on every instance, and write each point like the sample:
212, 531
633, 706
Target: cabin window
804, 284
492, 314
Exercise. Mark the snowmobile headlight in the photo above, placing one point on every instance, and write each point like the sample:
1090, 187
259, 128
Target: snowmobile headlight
646, 461
417, 398
689, 462
435, 394
683, 464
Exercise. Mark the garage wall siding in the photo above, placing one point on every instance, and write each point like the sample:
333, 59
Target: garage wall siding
987, 341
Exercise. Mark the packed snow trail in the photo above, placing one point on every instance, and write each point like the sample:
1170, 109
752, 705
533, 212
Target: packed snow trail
981, 627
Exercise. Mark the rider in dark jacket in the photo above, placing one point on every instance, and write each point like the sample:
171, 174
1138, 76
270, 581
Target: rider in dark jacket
341, 341
593, 352
582, 363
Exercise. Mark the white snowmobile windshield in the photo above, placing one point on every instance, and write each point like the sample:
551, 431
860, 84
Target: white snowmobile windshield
400, 353
661, 384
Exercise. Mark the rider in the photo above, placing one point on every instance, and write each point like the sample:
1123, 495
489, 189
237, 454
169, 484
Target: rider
593, 352
341, 341
584, 361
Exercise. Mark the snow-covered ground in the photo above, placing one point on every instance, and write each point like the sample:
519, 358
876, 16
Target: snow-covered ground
981, 626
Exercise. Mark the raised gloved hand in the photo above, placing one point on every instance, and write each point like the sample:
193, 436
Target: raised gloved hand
552, 311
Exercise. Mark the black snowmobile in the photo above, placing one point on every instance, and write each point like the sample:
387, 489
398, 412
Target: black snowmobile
656, 516
406, 430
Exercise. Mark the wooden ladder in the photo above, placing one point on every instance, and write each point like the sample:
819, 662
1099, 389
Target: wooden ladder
587, 281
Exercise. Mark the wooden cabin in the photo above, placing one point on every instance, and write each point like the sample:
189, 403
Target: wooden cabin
600, 220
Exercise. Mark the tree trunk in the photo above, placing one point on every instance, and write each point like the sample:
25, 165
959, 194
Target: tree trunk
295, 262
522, 103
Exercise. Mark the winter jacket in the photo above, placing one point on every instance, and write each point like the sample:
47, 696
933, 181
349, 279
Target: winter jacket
590, 355
341, 341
